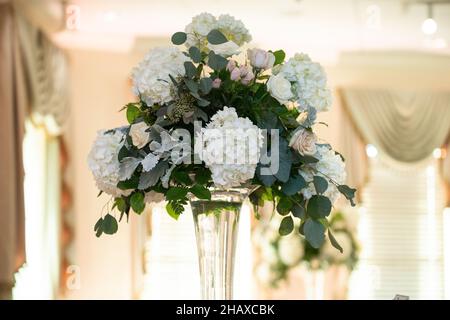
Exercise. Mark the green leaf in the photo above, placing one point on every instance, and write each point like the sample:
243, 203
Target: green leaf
109, 225
131, 183
203, 103
314, 233
285, 161
133, 113
137, 202
98, 224
321, 184
334, 242
279, 57
216, 62
308, 159
216, 37
175, 208
191, 71
121, 204
293, 185
298, 211
205, 85
286, 226
176, 193
348, 192
179, 38
123, 153
201, 192
319, 207
182, 178
195, 54
284, 206
202, 176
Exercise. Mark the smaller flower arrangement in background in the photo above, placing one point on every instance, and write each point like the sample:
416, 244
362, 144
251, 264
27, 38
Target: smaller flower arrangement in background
278, 255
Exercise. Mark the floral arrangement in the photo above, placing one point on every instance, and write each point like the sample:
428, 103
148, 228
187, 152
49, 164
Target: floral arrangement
279, 254
248, 115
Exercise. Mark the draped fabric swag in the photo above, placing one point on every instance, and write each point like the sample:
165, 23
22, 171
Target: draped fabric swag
33, 85
406, 126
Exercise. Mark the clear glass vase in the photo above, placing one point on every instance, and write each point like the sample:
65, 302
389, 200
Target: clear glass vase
216, 227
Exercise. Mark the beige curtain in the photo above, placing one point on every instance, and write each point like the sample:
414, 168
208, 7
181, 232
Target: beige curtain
405, 126
13, 110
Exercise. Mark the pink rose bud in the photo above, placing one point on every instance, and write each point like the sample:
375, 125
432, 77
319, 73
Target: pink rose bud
246, 75
235, 74
216, 83
231, 65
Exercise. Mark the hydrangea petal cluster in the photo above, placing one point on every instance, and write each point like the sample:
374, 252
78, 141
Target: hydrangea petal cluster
329, 166
230, 147
104, 163
233, 29
309, 82
151, 79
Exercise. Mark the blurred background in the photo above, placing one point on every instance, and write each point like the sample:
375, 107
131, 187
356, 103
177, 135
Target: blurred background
64, 74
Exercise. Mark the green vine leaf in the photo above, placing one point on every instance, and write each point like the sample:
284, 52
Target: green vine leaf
321, 184
178, 38
137, 202
319, 207
109, 225
286, 226
314, 233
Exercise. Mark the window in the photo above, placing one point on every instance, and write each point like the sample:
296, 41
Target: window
401, 233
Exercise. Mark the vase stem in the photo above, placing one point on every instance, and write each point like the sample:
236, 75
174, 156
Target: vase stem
216, 226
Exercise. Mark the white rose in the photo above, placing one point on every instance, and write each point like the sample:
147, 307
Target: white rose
139, 134
261, 59
225, 49
280, 88
304, 142
290, 249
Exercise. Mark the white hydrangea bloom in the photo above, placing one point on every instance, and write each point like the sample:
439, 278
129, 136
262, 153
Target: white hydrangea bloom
233, 29
330, 165
230, 147
198, 29
104, 163
151, 77
309, 82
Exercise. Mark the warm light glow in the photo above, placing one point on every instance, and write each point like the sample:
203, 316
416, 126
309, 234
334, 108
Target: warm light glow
73, 14
371, 151
437, 153
429, 26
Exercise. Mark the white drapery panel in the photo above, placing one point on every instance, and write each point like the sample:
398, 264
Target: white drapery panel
407, 126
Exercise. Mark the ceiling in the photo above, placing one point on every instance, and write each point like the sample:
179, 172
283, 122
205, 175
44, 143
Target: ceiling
324, 28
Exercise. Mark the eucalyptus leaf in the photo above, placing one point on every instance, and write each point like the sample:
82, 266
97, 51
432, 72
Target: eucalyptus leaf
191, 70
279, 56
298, 211
195, 54
179, 38
216, 37
321, 184
137, 202
314, 233
109, 224
293, 185
284, 206
216, 62
286, 226
334, 242
348, 192
205, 85
319, 207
